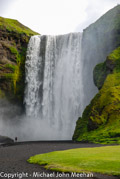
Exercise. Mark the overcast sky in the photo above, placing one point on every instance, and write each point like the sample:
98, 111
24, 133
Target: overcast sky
56, 16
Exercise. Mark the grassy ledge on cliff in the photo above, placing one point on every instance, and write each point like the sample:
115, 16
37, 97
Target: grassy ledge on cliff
100, 122
14, 38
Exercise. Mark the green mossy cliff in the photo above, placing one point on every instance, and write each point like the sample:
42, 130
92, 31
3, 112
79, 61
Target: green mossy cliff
100, 122
14, 38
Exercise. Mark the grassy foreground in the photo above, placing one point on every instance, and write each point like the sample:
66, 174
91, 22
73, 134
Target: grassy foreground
105, 160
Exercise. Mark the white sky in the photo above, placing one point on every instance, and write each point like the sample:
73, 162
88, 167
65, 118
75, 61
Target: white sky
56, 16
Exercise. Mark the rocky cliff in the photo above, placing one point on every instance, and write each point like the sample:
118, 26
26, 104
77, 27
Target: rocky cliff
100, 122
14, 38
99, 39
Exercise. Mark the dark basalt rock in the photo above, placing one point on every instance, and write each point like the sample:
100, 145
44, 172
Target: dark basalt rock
6, 140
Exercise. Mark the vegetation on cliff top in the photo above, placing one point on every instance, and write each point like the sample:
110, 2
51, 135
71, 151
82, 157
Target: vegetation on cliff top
100, 122
12, 25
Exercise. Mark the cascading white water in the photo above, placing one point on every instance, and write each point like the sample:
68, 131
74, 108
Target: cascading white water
53, 92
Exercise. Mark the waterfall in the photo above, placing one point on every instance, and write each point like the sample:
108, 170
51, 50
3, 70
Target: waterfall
54, 90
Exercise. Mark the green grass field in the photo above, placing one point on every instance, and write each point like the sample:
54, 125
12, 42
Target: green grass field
105, 160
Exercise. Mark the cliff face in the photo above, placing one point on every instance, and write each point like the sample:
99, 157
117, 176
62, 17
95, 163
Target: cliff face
99, 39
14, 38
100, 121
